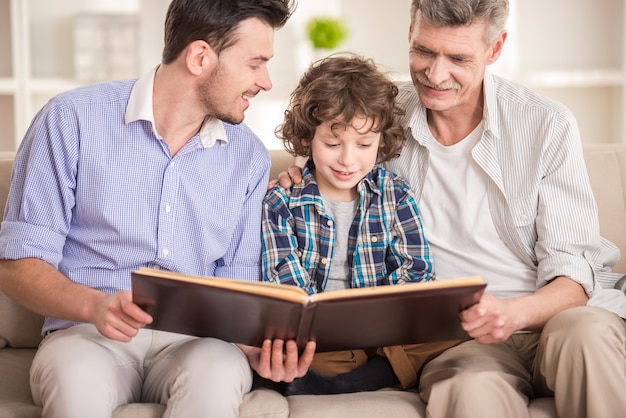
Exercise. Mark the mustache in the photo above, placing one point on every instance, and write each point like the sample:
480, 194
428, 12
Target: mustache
447, 85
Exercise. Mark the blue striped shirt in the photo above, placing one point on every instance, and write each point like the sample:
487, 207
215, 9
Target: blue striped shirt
386, 243
96, 193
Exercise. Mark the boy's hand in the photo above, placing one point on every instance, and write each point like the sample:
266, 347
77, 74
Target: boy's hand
272, 362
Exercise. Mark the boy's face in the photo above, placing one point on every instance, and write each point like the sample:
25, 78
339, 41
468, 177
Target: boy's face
343, 157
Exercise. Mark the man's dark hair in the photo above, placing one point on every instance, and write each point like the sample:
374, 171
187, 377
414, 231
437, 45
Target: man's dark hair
216, 21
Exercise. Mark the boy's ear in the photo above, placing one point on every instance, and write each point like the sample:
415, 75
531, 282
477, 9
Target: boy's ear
199, 56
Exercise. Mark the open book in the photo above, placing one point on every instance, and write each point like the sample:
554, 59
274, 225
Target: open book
249, 312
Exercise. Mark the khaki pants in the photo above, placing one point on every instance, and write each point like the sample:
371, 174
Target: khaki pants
79, 373
580, 357
406, 360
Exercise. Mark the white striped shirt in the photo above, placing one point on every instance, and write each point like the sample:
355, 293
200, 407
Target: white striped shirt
96, 193
541, 201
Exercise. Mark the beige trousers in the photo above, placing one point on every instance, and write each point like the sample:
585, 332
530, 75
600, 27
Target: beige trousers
79, 373
579, 356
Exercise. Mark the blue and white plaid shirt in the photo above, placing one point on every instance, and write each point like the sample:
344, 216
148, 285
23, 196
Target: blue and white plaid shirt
96, 193
386, 243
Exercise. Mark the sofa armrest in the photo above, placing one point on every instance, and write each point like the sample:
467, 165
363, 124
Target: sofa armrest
606, 165
19, 327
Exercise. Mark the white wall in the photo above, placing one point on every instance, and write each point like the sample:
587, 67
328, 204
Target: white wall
544, 35
373, 32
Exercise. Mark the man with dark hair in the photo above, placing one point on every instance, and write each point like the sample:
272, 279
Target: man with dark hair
119, 175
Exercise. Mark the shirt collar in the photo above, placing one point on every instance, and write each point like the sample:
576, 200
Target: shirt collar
491, 104
211, 131
139, 107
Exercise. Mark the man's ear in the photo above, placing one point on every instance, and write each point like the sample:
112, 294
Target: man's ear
496, 47
199, 56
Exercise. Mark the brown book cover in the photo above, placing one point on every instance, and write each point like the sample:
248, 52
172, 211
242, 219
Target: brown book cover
249, 312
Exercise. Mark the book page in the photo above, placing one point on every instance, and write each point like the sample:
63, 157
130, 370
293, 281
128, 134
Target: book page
396, 289
286, 292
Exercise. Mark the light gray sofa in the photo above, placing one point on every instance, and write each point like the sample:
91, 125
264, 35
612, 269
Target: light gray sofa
19, 328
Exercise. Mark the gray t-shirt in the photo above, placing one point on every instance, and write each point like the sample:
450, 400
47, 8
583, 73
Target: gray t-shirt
343, 214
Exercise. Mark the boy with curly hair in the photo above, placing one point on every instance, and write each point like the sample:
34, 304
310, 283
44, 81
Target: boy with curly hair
350, 223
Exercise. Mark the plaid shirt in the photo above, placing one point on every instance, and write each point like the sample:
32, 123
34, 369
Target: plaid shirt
386, 244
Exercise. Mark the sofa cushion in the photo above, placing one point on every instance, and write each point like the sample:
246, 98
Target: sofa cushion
15, 397
139, 410
260, 403
381, 403
264, 403
606, 165
19, 327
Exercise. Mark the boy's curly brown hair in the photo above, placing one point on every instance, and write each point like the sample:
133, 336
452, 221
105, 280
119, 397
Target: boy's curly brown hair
339, 88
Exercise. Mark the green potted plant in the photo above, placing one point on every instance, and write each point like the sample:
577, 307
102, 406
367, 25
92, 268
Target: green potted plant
326, 32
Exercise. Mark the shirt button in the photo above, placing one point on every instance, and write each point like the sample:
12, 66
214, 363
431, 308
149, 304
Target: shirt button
167, 208
324, 261
374, 238
299, 254
172, 163
524, 218
166, 252
329, 222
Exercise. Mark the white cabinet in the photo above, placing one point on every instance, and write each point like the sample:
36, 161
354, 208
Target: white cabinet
38, 50
573, 51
